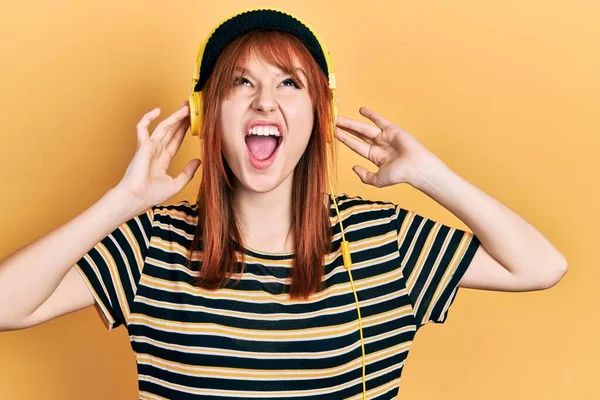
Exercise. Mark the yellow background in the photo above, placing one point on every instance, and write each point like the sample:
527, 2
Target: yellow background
506, 93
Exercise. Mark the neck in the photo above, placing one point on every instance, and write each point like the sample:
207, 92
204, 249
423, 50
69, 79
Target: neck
265, 218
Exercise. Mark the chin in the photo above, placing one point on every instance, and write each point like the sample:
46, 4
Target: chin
266, 188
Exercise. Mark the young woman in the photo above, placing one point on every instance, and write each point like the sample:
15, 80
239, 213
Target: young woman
248, 292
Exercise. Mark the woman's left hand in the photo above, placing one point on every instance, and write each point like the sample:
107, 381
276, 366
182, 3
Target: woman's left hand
399, 156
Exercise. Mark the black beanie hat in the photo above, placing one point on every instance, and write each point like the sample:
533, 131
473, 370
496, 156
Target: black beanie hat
248, 21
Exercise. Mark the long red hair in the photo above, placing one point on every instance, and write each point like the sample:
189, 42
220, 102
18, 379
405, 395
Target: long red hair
217, 227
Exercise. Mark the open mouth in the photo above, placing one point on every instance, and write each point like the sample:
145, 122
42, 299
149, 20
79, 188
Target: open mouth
262, 150
262, 147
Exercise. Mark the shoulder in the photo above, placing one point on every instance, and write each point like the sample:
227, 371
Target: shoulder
356, 209
176, 209
180, 214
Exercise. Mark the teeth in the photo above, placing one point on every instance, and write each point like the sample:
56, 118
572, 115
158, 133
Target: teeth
264, 131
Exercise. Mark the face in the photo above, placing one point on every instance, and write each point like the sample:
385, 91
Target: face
265, 95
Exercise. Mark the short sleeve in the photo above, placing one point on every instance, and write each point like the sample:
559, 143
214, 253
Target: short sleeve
112, 268
434, 257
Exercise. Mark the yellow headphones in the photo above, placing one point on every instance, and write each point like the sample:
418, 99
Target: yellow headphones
195, 104
195, 97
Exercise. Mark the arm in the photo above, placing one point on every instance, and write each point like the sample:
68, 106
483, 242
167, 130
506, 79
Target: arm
38, 282
514, 255
35, 282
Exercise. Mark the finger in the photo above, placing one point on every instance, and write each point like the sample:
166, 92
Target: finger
142, 126
174, 129
359, 147
355, 133
367, 130
187, 174
175, 143
163, 127
174, 119
365, 176
376, 118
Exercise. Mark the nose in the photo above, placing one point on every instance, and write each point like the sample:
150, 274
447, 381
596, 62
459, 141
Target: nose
265, 100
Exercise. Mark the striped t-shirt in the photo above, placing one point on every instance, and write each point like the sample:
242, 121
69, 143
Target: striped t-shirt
248, 339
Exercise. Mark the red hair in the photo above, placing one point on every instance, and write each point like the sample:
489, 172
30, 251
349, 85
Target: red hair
217, 227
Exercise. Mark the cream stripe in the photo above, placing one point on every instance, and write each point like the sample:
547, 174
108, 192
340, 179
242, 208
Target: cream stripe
372, 242
281, 264
379, 390
427, 250
365, 224
116, 278
317, 333
271, 355
265, 297
357, 209
215, 372
458, 254
470, 238
143, 395
402, 236
271, 316
135, 247
108, 319
410, 282
265, 394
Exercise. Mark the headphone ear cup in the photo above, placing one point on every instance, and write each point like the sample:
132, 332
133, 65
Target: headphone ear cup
195, 101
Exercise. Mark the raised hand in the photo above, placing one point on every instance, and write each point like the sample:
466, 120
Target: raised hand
399, 156
146, 178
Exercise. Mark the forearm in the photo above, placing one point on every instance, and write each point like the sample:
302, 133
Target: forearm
31, 274
511, 240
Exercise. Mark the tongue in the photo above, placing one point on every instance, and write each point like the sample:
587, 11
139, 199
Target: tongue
261, 147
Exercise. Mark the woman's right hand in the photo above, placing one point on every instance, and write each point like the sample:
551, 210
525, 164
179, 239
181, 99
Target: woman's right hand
146, 178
